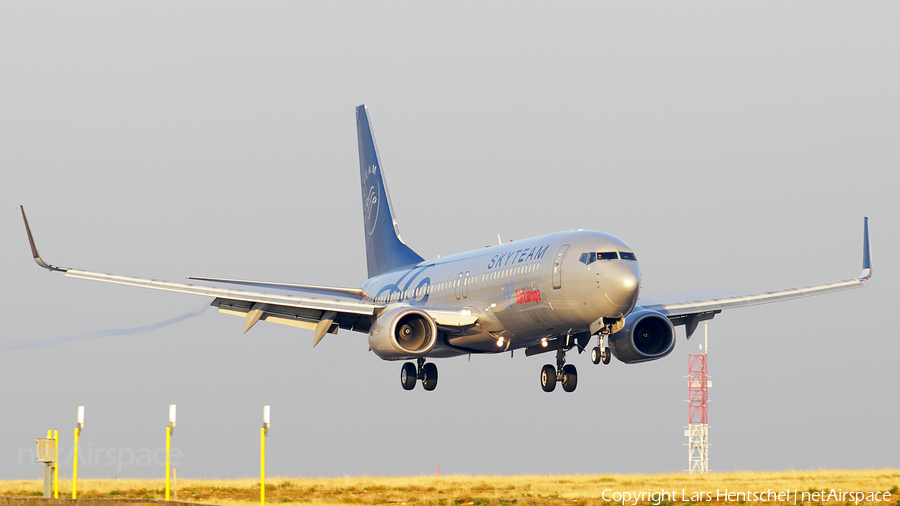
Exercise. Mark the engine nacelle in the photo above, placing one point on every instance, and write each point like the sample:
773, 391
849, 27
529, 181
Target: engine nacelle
402, 333
647, 335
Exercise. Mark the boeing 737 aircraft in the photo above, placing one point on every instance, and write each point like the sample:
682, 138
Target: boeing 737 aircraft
550, 293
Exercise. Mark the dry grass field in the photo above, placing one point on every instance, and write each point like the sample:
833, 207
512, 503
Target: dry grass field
461, 490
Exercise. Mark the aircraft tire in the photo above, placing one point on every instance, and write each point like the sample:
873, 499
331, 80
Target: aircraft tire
606, 356
596, 355
429, 376
569, 378
548, 378
408, 376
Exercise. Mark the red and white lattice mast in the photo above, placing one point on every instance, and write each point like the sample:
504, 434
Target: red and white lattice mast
698, 396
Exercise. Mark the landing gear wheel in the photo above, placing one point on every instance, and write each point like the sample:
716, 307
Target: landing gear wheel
548, 378
569, 378
606, 356
596, 355
429, 376
408, 376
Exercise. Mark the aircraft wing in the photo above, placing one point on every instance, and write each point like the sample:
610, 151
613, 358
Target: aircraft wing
323, 309
692, 313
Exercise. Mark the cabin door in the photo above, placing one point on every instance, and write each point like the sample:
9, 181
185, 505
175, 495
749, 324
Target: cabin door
557, 266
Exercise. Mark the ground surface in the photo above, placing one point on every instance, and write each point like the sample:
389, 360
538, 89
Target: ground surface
508, 490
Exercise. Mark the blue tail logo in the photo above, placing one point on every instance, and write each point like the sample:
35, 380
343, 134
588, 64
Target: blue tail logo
385, 251
372, 199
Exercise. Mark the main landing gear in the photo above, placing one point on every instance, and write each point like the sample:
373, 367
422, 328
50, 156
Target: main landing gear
421, 370
563, 372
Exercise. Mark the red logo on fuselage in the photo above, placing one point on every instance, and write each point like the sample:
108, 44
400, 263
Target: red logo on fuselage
526, 296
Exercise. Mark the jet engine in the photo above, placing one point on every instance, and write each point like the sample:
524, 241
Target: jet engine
647, 335
402, 333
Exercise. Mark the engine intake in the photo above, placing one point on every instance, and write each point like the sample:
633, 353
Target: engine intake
647, 335
402, 333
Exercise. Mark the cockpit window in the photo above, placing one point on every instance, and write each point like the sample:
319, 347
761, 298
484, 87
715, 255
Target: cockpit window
589, 258
624, 255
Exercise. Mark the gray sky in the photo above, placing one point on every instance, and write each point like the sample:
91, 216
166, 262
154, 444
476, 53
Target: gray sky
736, 147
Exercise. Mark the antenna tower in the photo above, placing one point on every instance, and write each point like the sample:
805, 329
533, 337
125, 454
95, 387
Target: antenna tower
697, 430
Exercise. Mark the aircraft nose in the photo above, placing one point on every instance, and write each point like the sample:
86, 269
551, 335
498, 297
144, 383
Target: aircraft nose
621, 283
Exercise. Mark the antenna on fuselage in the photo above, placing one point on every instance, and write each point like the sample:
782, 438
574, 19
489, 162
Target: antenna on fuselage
499, 240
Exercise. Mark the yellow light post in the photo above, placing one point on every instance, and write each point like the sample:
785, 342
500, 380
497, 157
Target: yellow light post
262, 456
48, 454
169, 443
56, 466
79, 425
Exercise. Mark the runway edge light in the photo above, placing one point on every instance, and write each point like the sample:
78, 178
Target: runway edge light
56, 465
169, 429
263, 432
79, 424
47, 454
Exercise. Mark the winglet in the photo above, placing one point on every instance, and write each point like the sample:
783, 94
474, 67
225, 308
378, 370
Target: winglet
867, 259
34, 252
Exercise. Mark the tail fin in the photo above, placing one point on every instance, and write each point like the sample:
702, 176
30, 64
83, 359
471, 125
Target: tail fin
385, 250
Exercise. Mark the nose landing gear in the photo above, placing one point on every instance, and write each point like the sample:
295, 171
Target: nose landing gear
566, 374
598, 356
427, 372
601, 353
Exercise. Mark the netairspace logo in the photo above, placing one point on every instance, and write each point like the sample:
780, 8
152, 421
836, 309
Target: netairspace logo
118, 458
656, 498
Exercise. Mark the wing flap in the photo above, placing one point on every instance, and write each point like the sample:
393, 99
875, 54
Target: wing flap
280, 315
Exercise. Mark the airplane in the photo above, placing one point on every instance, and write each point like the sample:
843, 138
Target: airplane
549, 293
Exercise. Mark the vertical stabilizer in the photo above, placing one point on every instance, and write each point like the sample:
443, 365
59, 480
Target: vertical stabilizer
385, 250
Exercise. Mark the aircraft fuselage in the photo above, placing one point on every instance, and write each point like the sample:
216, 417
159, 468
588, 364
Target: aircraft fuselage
522, 292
